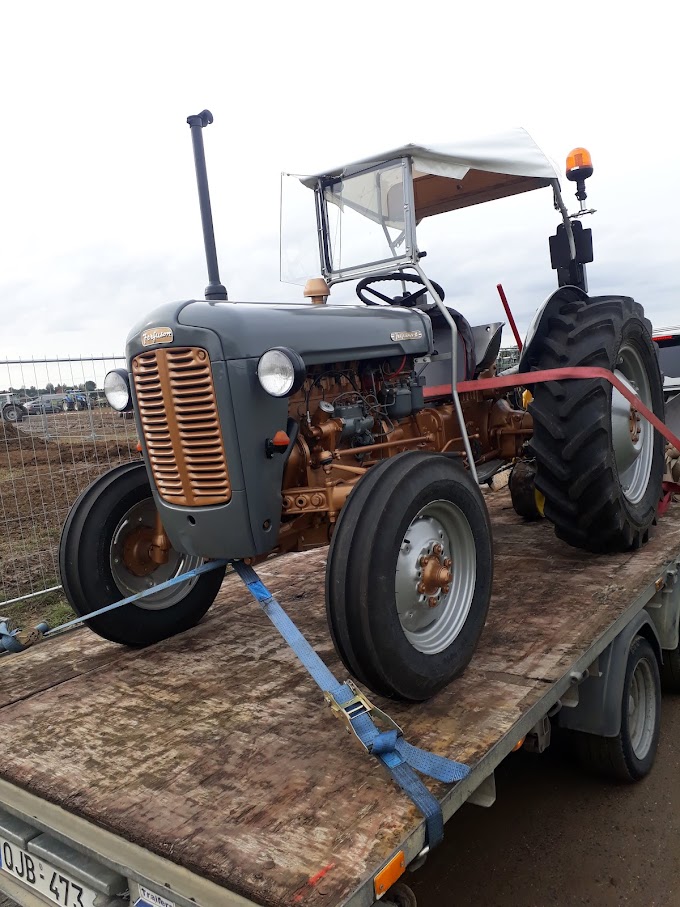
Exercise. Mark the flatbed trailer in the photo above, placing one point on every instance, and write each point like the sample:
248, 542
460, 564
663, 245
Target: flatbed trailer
207, 769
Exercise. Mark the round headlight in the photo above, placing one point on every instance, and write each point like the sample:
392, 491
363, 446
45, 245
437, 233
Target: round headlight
281, 371
117, 390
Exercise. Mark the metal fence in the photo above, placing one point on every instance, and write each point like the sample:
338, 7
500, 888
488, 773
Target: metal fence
57, 434
507, 357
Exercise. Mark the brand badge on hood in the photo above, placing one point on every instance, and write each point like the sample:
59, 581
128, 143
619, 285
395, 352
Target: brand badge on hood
157, 335
406, 335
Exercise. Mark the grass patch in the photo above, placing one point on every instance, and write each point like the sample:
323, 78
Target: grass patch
51, 607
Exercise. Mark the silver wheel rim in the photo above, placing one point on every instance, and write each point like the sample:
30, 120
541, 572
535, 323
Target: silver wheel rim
430, 630
11, 415
633, 455
641, 708
144, 514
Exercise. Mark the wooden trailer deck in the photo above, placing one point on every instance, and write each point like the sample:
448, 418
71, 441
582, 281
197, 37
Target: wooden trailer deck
215, 750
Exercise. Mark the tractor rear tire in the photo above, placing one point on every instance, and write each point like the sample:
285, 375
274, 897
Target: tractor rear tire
403, 630
99, 565
599, 467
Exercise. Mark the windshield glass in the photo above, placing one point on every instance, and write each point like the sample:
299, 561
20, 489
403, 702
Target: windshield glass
367, 222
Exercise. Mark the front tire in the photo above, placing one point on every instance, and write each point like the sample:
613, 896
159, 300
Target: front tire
102, 560
409, 575
598, 463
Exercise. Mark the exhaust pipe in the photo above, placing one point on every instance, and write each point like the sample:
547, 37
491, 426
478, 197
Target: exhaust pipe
215, 290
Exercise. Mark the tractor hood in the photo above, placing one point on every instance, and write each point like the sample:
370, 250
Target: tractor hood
319, 333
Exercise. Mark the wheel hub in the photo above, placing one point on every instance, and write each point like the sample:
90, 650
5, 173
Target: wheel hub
137, 551
634, 425
632, 437
641, 709
432, 599
132, 560
436, 575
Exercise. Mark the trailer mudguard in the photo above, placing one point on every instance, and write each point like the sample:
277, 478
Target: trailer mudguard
599, 703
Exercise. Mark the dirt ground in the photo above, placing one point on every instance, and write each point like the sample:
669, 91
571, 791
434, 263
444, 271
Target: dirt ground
558, 837
45, 462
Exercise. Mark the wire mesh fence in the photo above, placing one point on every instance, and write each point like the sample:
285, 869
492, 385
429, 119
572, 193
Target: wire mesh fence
57, 434
507, 357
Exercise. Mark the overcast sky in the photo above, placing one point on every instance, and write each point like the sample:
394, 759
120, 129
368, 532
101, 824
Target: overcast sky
99, 218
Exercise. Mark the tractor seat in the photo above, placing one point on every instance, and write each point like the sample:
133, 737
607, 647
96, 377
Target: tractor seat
477, 349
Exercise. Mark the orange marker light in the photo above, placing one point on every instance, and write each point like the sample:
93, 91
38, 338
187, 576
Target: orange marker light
281, 439
389, 874
579, 164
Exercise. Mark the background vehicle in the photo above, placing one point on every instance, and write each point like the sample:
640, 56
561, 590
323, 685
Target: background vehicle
74, 401
668, 341
10, 408
276, 428
45, 403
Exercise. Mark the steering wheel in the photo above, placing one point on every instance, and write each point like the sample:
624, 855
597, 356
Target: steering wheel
409, 299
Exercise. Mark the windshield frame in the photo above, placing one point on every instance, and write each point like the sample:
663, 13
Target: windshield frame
410, 255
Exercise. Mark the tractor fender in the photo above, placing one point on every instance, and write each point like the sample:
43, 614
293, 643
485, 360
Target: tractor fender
539, 326
599, 702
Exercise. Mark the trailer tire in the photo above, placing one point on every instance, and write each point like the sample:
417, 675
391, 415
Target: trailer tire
630, 755
670, 671
416, 507
94, 551
400, 895
599, 468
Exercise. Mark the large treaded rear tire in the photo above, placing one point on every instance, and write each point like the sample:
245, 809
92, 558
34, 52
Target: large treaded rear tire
573, 436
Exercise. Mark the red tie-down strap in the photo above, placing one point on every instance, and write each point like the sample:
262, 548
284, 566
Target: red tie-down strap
522, 379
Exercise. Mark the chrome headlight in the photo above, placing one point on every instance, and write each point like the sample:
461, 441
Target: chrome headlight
281, 371
117, 390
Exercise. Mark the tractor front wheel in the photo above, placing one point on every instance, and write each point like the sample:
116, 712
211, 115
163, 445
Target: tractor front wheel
104, 556
409, 575
599, 463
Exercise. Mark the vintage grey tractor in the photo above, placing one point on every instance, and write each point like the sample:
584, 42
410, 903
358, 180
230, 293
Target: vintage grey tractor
270, 428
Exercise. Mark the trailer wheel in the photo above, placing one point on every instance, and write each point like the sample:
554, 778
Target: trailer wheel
599, 464
409, 575
400, 895
103, 557
630, 755
670, 671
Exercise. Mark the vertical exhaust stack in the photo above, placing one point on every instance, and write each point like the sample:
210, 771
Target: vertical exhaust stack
215, 290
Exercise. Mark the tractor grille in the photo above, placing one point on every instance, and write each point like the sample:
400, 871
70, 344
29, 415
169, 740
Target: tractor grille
178, 412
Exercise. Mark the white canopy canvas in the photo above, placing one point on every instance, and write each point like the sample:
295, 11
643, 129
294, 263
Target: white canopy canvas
451, 176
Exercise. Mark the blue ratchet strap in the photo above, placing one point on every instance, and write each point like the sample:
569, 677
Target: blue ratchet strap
398, 756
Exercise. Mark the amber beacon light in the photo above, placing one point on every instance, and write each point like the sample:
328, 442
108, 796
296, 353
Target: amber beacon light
579, 168
579, 164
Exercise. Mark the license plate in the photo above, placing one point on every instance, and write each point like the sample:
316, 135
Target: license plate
52, 883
